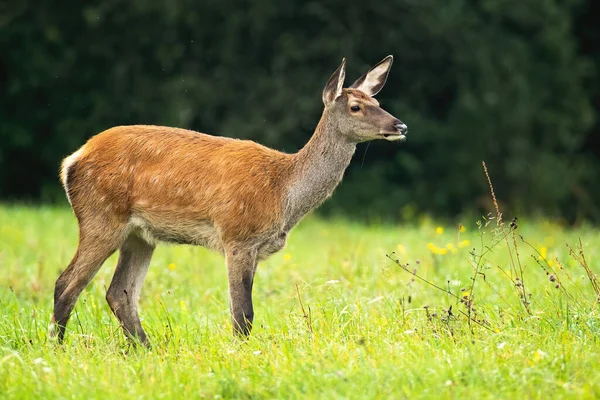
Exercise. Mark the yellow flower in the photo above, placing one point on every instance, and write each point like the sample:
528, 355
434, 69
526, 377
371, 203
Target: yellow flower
182, 305
287, 256
543, 252
451, 248
401, 249
434, 249
464, 293
172, 267
439, 230
462, 228
464, 243
443, 251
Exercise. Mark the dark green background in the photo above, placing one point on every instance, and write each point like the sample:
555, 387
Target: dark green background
514, 83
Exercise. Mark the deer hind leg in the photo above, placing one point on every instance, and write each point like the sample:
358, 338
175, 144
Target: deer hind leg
241, 266
124, 290
96, 244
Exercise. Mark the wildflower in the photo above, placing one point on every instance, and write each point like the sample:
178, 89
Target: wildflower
183, 306
434, 249
451, 248
464, 243
538, 355
172, 267
287, 256
518, 282
401, 249
461, 228
439, 230
543, 252
443, 251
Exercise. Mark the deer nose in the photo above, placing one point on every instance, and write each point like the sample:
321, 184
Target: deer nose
401, 127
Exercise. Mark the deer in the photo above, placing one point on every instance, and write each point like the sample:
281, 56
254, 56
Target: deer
132, 187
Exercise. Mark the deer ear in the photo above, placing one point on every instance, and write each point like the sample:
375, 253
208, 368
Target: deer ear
372, 82
333, 89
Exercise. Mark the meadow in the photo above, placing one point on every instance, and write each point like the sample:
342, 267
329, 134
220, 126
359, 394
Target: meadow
348, 311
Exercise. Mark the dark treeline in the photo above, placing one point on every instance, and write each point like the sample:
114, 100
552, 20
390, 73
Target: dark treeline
513, 83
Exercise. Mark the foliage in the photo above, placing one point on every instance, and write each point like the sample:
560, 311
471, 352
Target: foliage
497, 80
367, 328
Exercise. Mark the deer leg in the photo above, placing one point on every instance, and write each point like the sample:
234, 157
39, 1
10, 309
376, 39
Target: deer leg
124, 290
91, 253
241, 266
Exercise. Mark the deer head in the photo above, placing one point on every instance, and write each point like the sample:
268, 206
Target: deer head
357, 114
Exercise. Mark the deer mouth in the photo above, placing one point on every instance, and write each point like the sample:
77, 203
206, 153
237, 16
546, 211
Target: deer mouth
393, 136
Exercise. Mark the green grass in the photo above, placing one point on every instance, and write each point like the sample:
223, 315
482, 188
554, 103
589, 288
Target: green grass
371, 330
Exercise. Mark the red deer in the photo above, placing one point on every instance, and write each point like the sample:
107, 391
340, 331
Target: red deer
131, 187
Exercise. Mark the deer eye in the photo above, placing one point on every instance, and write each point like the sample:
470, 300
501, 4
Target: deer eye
355, 108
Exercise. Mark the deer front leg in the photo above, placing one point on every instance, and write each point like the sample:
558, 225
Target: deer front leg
241, 265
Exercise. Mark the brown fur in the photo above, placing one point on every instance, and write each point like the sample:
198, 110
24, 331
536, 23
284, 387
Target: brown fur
358, 95
166, 177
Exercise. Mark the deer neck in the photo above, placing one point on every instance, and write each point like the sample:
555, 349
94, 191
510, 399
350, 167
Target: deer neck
317, 169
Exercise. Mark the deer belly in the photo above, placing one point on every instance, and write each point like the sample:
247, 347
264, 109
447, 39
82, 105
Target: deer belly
198, 233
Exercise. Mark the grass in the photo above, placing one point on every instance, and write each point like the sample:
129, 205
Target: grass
335, 317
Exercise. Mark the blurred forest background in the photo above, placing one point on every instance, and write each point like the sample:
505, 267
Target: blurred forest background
514, 83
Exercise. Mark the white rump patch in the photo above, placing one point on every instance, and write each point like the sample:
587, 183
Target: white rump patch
67, 163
